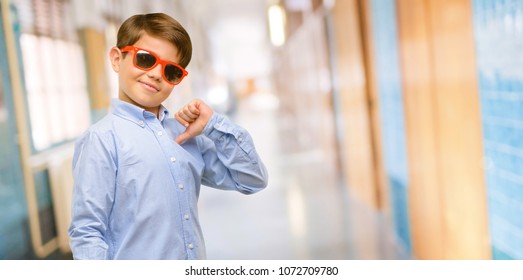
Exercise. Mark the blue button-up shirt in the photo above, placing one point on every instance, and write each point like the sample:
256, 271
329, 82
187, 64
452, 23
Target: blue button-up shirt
136, 190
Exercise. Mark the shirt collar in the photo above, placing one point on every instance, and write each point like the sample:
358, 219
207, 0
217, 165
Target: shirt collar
134, 113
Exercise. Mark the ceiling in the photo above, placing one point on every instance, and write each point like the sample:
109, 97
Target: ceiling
237, 36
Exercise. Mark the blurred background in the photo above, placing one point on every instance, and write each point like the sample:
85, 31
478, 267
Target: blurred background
391, 129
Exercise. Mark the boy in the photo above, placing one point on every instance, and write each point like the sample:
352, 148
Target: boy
138, 173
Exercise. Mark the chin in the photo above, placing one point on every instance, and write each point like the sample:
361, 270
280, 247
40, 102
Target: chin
149, 103
144, 101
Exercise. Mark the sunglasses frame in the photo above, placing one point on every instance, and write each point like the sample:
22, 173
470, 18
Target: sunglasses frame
164, 63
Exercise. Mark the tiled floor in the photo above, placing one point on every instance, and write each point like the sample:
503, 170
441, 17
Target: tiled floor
306, 211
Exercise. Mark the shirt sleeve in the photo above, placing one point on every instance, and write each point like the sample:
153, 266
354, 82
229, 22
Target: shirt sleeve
231, 160
94, 171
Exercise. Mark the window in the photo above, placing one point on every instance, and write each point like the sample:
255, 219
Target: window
54, 72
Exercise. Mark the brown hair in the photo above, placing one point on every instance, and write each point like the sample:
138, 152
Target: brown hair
160, 25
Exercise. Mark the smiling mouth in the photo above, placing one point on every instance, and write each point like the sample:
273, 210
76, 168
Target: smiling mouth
150, 86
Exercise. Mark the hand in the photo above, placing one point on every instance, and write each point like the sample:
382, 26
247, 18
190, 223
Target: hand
194, 116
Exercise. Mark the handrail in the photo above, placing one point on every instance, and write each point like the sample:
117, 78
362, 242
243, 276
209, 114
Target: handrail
41, 250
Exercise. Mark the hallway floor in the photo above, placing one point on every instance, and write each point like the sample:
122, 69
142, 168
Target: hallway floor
306, 211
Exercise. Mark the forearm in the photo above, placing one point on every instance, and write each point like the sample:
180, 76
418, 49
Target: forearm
86, 231
88, 225
84, 246
236, 157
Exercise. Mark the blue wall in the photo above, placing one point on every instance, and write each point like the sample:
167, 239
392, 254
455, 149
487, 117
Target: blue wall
391, 112
14, 229
499, 46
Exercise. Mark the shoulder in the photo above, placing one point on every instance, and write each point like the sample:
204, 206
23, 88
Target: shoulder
97, 142
101, 131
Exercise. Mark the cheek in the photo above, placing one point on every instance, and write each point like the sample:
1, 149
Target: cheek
131, 74
129, 69
127, 80
166, 90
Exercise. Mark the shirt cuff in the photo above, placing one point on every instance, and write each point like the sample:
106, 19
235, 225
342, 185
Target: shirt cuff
217, 127
90, 253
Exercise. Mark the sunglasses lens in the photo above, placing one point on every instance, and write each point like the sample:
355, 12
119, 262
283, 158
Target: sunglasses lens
173, 74
144, 59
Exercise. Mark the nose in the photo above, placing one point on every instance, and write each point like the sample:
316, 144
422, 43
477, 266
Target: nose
156, 73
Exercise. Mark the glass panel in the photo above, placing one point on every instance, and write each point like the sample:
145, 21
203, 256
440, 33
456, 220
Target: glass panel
45, 207
55, 76
15, 241
391, 113
498, 27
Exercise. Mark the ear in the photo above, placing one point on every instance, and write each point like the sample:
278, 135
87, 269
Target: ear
115, 56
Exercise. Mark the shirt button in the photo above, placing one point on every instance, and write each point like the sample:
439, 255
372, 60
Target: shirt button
186, 217
180, 186
190, 246
160, 133
141, 123
173, 159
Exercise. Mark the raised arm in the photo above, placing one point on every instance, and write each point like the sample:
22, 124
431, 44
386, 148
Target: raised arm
231, 160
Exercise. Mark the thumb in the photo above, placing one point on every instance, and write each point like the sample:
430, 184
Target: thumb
183, 137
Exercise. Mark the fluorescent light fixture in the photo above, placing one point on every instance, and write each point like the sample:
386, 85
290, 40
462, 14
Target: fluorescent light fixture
277, 24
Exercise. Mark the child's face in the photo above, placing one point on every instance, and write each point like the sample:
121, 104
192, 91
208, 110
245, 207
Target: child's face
146, 89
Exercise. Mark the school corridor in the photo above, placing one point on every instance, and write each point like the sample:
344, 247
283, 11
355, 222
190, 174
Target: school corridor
390, 129
306, 211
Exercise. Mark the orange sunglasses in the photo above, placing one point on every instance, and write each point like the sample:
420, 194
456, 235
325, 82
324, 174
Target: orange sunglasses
146, 60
